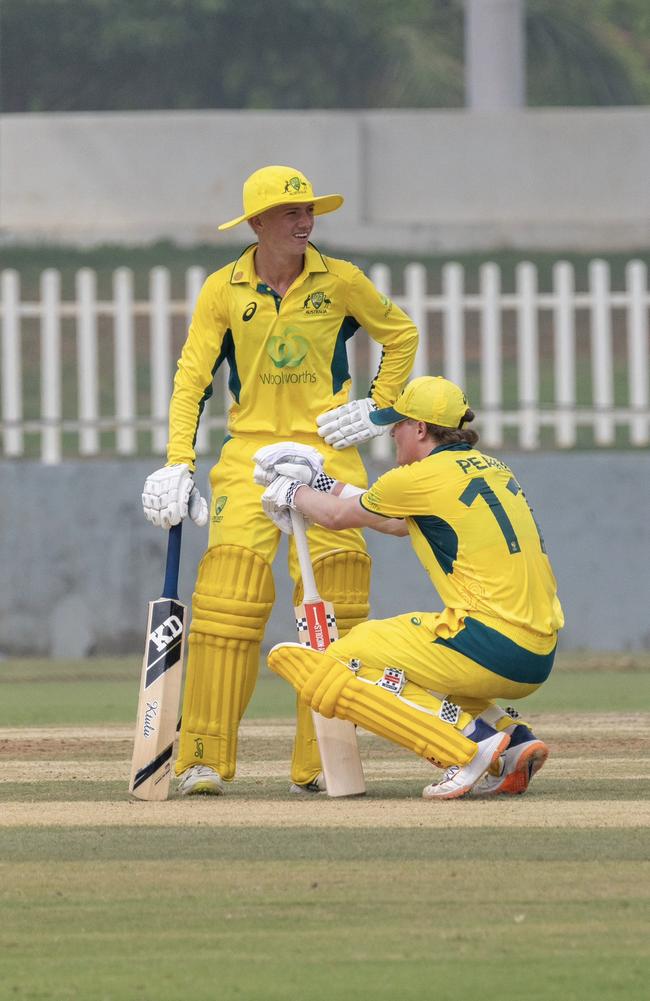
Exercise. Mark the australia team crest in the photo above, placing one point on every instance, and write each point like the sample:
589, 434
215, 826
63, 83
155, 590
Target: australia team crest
317, 302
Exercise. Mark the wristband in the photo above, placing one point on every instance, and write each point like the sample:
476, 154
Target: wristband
350, 491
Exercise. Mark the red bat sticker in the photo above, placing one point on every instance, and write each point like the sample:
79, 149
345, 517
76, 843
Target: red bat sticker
317, 626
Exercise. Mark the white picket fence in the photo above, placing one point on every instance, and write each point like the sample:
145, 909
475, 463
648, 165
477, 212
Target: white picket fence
481, 340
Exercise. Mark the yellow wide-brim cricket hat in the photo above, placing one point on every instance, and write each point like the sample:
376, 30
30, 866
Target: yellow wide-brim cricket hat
271, 186
429, 398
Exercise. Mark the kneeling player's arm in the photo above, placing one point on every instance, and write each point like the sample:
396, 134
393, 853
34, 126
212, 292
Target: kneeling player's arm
342, 511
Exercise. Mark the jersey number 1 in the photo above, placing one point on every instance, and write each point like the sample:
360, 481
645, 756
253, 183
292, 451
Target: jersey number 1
478, 487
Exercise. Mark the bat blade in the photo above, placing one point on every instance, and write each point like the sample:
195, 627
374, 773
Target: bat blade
158, 704
337, 738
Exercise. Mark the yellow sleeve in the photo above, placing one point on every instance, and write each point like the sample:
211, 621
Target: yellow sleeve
388, 495
389, 325
203, 352
406, 491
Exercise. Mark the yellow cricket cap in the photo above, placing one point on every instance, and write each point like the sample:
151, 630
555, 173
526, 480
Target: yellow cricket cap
271, 186
429, 398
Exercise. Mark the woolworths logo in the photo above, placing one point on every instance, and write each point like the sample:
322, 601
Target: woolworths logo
287, 351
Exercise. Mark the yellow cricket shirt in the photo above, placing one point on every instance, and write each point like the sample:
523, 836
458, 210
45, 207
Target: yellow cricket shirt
472, 529
287, 356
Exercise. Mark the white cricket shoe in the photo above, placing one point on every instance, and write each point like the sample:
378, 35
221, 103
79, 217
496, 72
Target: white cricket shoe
201, 780
458, 780
516, 767
309, 788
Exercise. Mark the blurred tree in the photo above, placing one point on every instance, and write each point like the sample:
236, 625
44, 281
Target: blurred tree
74, 55
627, 26
576, 57
101, 54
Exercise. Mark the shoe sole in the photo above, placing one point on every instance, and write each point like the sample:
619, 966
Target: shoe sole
457, 793
531, 759
204, 788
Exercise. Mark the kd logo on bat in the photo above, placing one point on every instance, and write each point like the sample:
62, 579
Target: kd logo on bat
160, 638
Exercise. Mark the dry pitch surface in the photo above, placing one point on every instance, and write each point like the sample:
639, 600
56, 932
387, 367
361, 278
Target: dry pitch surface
45, 772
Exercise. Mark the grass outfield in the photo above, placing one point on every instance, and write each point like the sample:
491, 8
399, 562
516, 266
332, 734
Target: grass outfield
262, 896
105, 690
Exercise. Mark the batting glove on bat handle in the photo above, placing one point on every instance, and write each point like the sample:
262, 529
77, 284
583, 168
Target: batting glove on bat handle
305, 462
281, 493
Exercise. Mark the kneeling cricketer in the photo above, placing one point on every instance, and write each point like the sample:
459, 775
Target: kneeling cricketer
426, 680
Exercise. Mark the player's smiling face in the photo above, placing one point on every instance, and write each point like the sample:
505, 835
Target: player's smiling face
286, 228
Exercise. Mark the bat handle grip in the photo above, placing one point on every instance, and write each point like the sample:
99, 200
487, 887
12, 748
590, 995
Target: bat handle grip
304, 557
170, 587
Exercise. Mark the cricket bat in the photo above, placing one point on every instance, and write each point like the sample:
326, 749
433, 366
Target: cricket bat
160, 685
316, 624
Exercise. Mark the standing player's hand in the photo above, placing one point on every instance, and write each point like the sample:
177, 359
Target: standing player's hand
170, 494
350, 424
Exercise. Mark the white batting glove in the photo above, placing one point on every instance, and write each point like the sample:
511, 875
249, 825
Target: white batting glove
281, 518
170, 494
349, 424
307, 462
278, 499
281, 493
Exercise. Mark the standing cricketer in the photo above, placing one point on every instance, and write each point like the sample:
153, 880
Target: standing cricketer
280, 316
471, 527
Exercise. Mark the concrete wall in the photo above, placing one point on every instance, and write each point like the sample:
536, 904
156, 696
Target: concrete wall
80, 562
413, 180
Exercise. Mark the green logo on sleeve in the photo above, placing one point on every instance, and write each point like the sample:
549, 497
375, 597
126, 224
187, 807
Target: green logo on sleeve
370, 498
387, 304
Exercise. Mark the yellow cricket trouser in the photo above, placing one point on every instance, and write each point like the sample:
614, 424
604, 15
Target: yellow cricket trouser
431, 654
